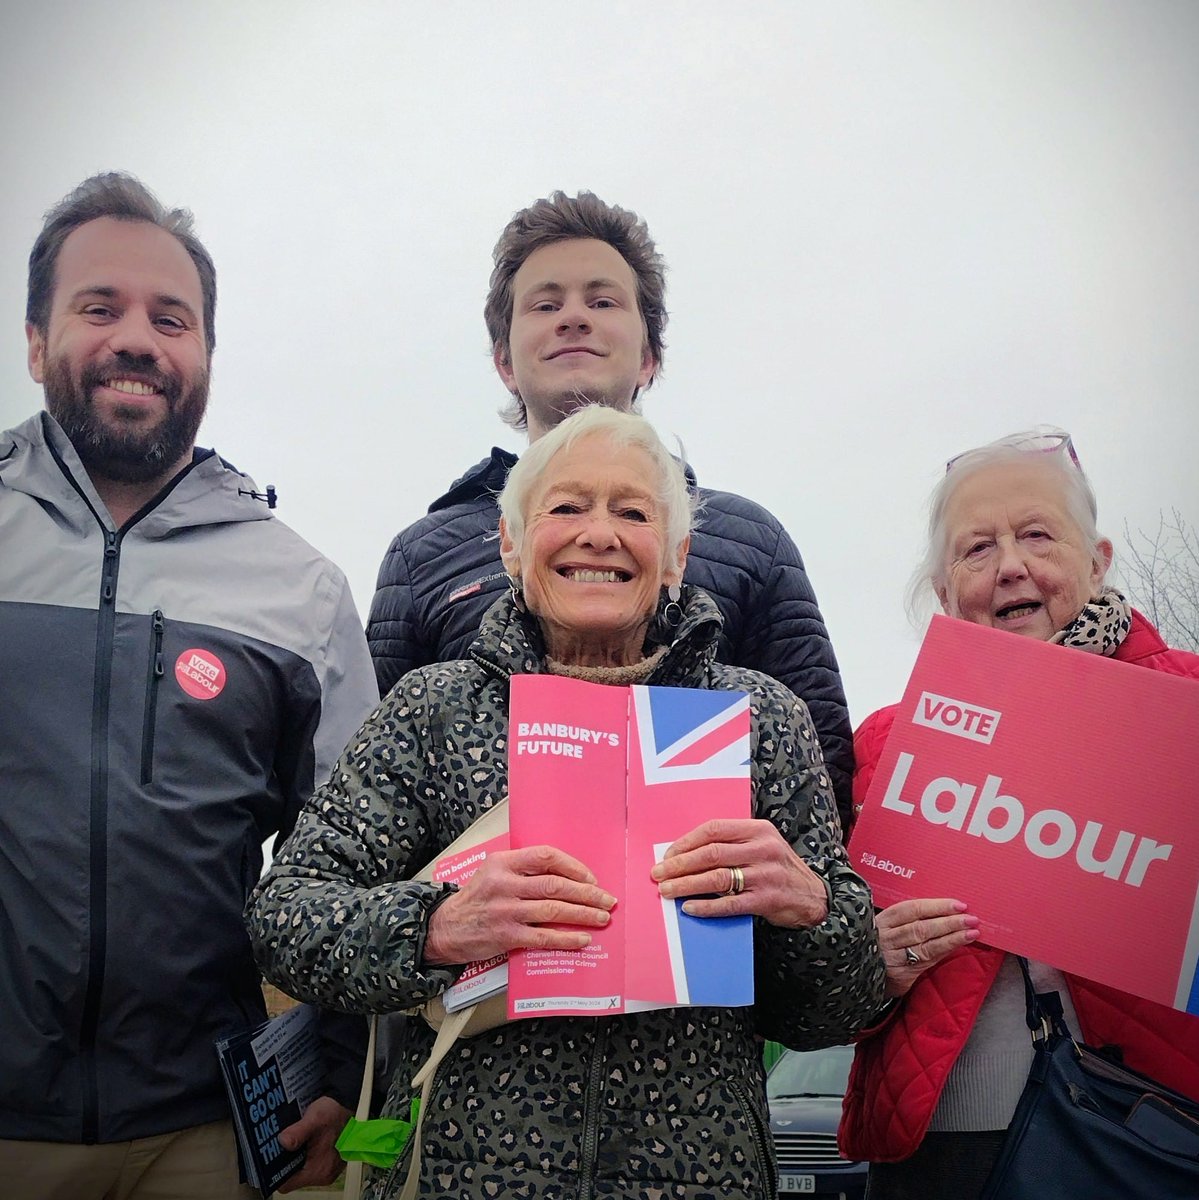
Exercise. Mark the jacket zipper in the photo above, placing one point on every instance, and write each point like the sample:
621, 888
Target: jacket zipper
98, 840
98, 806
153, 678
589, 1143
768, 1175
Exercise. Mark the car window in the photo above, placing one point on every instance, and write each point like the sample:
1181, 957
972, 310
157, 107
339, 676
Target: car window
810, 1073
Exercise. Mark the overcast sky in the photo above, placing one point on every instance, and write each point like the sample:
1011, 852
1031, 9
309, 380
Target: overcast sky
894, 231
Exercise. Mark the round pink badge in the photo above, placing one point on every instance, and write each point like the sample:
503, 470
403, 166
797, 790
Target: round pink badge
200, 674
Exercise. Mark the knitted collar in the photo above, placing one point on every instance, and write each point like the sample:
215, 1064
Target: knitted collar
1101, 626
637, 672
510, 641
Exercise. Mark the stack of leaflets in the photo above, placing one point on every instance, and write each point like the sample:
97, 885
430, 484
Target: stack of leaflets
489, 977
271, 1074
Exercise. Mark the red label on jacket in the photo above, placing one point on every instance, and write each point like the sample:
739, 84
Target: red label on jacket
200, 674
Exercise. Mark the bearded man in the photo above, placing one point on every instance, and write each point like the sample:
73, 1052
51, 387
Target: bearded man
180, 670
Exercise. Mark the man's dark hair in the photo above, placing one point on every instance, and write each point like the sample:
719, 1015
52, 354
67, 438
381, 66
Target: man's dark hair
121, 196
560, 218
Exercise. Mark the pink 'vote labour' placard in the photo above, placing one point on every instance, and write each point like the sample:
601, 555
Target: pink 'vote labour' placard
1056, 792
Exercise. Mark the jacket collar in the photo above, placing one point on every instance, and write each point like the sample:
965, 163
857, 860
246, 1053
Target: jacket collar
485, 478
1142, 641
38, 459
510, 641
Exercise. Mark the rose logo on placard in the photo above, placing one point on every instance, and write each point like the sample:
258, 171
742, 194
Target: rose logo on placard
200, 674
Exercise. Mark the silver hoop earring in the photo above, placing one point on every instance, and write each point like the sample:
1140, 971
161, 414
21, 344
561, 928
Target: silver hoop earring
672, 610
518, 593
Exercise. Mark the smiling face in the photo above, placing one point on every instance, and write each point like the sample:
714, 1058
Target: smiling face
577, 334
594, 555
1017, 559
123, 359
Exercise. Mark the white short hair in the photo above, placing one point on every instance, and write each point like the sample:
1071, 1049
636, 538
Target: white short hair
670, 489
931, 573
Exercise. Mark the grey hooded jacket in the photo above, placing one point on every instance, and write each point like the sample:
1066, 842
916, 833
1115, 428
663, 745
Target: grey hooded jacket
173, 691
653, 1104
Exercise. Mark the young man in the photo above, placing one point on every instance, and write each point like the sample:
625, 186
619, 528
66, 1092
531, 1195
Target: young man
180, 669
576, 312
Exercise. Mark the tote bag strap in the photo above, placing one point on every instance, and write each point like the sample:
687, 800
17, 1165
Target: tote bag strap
1042, 1010
474, 1019
355, 1167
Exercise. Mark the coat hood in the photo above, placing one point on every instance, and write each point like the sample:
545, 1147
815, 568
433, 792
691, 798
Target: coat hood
38, 459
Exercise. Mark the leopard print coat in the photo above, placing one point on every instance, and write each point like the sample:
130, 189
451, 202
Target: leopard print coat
663, 1104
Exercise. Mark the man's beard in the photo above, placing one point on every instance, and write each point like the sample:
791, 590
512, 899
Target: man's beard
131, 451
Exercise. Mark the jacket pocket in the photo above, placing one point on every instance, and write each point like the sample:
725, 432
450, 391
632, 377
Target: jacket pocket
154, 673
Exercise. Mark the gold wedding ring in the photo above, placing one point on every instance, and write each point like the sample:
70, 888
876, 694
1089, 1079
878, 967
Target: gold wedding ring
736, 881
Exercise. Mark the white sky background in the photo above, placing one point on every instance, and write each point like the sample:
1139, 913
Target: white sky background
894, 231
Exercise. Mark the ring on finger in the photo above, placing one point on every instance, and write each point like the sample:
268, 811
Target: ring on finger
736, 881
910, 954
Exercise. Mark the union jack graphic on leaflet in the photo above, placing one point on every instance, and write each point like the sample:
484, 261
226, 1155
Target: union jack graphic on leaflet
688, 762
686, 734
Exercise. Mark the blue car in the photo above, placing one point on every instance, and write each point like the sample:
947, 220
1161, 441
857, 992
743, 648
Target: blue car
804, 1088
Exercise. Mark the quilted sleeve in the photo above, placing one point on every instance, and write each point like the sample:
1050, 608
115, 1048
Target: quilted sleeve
785, 638
868, 743
393, 627
335, 921
813, 987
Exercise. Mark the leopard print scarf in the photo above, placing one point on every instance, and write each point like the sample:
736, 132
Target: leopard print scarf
1101, 626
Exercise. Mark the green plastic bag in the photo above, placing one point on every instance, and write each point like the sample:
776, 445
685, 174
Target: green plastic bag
378, 1143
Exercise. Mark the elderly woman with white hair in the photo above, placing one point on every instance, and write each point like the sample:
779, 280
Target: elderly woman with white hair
667, 1103
1013, 544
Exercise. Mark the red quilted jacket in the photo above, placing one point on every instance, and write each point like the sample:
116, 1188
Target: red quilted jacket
900, 1067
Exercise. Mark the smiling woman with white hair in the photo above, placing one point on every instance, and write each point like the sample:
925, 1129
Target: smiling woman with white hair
594, 536
1012, 544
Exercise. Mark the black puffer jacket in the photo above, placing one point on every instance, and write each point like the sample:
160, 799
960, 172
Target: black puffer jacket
647, 1105
441, 574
